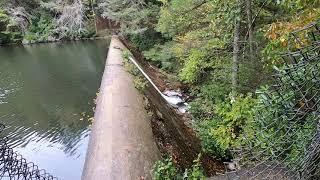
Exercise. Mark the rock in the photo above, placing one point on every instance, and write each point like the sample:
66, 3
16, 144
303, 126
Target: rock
172, 93
24, 41
51, 39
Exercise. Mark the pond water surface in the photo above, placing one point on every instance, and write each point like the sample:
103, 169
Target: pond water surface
47, 94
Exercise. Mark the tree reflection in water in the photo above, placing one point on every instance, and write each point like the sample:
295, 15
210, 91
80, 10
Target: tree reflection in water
46, 99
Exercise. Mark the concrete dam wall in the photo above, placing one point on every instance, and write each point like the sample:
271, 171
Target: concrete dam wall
121, 143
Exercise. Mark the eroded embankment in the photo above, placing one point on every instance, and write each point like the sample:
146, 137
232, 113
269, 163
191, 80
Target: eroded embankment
172, 129
121, 142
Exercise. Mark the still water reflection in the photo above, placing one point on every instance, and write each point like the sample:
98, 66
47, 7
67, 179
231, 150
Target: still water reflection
46, 99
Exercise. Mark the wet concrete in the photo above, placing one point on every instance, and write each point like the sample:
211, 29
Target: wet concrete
121, 142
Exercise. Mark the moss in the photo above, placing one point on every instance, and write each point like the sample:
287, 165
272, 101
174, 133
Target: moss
139, 80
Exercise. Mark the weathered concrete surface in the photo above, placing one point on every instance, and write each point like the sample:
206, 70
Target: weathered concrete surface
121, 143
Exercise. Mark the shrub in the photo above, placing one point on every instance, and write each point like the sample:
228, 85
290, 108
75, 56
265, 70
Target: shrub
226, 127
162, 56
5, 37
8, 32
287, 135
40, 30
192, 67
196, 172
233, 118
206, 96
145, 40
4, 20
139, 80
164, 170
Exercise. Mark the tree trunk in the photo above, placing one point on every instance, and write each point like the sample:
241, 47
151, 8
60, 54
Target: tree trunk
94, 15
250, 29
235, 63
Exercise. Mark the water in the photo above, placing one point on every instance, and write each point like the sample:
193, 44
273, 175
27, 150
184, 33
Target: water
47, 94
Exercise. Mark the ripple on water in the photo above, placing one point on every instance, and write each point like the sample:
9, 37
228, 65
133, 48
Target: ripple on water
44, 90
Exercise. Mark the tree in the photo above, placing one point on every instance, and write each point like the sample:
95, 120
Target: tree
236, 56
71, 16
72, 19
134, 16
250, 28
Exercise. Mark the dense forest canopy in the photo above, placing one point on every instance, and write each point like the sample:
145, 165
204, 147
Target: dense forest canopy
223, 50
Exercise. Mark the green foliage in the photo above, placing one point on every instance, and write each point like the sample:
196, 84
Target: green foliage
225, 128
41, 30
162, 56
90, 30
7, 33
201, 32
38, 21
135, 16
192, 69
210, 145
196, 172
233, 117
287, 136
166, 170
139, 80
5, 37
277, 33
193, 39
233, 123
294, 5
196, 43
206, 96
4, 20
145, 40
140, 83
